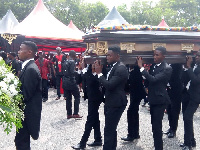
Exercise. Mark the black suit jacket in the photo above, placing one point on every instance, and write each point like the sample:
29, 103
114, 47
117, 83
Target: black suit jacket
31, 89
93, 86
136, 84
194, 89
115, 95
157, 84
175, 81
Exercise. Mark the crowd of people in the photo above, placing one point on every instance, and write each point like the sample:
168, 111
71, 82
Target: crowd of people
164, 86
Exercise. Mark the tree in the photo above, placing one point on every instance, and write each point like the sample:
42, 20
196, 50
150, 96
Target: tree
84, 15
186, 13
125, 13
20, 8
95, 13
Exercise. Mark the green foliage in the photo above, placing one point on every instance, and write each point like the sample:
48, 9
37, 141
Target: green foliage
83, 15
123, 10
11, 105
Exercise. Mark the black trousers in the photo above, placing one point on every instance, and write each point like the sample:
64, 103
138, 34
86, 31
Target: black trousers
22, 138
174, 108
133, 117
76, 93
58, 81
45, 88
188, 114
92, 122
157, 113
112, 117
185, 102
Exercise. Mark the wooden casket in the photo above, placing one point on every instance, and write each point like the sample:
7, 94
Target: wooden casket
179, 42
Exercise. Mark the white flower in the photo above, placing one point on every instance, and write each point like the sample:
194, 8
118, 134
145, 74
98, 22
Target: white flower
6, 80
12, 90
11, 76
16, 82
4, 87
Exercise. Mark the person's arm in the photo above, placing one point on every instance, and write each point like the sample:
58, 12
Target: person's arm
54, 65
193, 77
165, 74
120, 76
31, 81
49, 68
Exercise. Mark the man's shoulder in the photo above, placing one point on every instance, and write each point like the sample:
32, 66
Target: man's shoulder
121, 65
32, 65
166, 65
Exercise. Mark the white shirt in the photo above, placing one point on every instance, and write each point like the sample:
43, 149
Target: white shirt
26, 62
86, 69
188, 85
101, 74
141, 69
110, 71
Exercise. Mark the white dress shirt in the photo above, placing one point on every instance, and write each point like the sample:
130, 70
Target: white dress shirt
26, 62
188, 85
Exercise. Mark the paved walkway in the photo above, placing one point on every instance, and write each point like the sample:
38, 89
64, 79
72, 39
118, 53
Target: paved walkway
59, 133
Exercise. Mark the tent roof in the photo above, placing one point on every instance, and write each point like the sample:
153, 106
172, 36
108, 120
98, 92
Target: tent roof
75, 29
112, 19
163, 24
8, 22
72, 26
40, 23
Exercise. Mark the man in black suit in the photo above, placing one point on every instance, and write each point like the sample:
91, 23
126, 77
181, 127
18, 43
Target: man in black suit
70, 87
16, 64
95, 98
174, 89
31, 89
115, 96
193, 87
137, 93
157, 95
186, 99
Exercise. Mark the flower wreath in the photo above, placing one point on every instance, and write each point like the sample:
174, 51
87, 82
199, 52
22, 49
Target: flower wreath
11, 99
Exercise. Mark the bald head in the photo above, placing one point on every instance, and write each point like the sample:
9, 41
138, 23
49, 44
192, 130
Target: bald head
58, 50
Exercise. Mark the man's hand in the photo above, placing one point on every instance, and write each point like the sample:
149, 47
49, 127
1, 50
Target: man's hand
189, 61
139, 62
98, 66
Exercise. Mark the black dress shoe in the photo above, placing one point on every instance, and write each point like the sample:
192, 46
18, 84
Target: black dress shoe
130, 138
186, 148
171, 135
95, 144
79, 147
193, 144
167, 132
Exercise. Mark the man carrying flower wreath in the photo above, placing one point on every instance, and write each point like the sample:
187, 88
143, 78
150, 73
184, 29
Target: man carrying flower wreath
31, 90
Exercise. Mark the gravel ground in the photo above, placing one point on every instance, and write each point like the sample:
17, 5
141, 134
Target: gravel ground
59, 133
